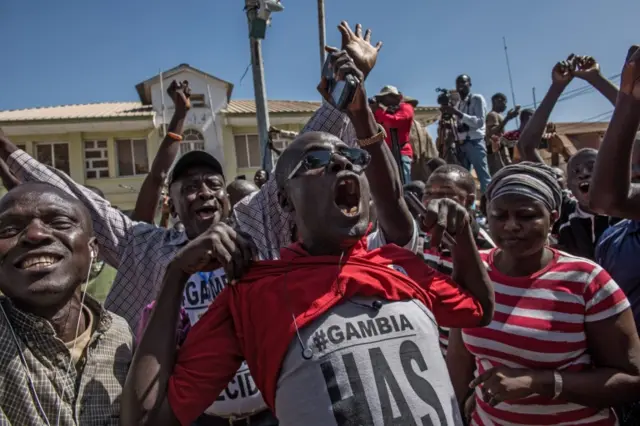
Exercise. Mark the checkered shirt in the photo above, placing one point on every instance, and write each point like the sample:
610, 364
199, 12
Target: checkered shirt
87, 396
259, 214
139, 251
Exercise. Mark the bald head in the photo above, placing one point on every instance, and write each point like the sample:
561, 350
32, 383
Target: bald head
292, 155
240, 188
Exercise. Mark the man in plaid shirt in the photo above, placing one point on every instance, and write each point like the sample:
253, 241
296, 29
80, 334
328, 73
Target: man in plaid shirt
64, 359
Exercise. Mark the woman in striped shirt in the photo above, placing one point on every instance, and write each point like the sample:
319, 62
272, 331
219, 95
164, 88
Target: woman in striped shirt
562, 347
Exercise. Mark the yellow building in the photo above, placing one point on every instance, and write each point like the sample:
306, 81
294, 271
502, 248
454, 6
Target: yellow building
111, 145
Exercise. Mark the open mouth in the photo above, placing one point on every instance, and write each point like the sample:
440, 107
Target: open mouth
347, 195
206, 212
38, 262
584, 187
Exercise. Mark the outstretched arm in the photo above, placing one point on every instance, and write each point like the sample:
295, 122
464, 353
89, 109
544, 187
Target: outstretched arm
151, 189
358, 58
588, 69
611, 188
533, 131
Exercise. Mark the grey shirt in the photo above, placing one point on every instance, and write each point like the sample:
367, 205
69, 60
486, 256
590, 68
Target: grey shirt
369, 367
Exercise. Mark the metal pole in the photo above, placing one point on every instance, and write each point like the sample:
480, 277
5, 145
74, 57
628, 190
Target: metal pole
506, 55
322, 31
259, 89
164, 118
535, 102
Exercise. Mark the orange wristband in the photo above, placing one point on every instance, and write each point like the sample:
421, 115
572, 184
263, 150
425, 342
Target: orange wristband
174, 136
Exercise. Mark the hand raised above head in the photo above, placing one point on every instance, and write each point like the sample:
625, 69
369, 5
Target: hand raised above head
630, 79
364, 54
180, 94
585, 67
561, 73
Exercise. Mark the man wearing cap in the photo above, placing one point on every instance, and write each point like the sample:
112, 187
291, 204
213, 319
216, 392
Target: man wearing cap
142, 251
392, 112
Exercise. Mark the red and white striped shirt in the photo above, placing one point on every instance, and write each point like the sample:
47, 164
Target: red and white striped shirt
539, 323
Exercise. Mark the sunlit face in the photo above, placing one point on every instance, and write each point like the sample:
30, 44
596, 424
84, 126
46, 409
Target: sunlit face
519, 225
442, 185
45, 246
199, 199
579, 173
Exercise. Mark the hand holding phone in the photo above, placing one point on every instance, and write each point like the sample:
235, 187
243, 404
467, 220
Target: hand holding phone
341, 91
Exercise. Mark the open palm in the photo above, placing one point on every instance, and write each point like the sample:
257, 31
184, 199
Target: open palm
359, 48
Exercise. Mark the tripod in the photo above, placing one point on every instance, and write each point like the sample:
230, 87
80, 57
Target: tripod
447, 140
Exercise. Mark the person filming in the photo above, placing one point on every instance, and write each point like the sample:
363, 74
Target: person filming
470, 112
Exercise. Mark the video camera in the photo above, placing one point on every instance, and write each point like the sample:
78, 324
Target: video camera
444, 99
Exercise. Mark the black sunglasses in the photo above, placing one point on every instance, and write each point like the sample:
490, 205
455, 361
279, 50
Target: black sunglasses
319, 159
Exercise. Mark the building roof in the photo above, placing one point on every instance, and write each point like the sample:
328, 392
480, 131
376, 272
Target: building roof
104, 110
120, 110
144, 88
580, 128
277, 106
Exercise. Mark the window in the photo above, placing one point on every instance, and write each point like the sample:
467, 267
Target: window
96, 159
247, 151
192, 140
132, 157
54, 154
197, 101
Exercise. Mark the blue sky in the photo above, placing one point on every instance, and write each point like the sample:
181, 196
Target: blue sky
78, 51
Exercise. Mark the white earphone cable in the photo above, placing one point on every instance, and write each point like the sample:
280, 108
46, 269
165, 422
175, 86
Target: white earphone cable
75, 339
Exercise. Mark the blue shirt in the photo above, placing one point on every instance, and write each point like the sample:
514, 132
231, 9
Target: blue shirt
617, 251
474, 111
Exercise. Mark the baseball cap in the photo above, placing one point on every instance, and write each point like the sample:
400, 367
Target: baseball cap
193, 159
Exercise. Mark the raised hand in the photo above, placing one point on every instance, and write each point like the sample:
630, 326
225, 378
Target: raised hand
584, 67
513, 113
342, 63
363, 53
444, 215
561, 73
219, 246
630, 79
180, 94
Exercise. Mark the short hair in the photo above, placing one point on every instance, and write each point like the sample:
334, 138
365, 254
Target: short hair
582, 152
463, 179
463, 75
417, 187
527, 111
435, 162
499, 96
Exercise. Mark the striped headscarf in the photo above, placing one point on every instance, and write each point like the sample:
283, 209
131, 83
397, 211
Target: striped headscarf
534, 180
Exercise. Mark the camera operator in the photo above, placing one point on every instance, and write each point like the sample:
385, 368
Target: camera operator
469, 113
392, 113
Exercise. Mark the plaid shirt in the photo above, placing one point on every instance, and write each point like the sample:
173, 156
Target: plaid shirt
139, 251
88, 395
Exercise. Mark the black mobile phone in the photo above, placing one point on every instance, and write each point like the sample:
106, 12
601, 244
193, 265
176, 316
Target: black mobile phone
342, 91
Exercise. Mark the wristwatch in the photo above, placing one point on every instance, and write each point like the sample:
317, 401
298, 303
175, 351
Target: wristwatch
378, 137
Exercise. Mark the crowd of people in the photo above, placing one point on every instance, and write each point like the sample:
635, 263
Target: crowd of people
336, 290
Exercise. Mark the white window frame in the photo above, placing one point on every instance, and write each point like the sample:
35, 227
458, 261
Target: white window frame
189, 144
53, 157
246, 147
90, 160
133, 156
